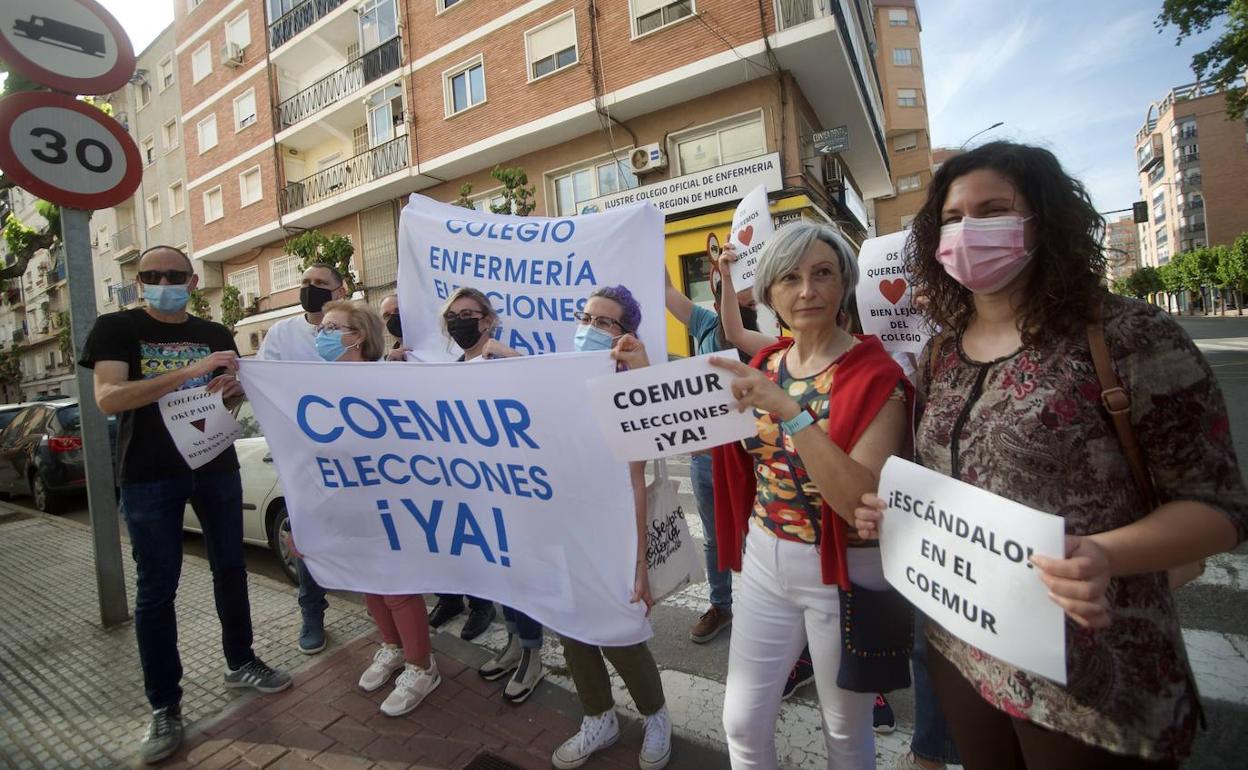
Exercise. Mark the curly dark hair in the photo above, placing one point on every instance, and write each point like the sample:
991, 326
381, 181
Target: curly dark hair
1065, 290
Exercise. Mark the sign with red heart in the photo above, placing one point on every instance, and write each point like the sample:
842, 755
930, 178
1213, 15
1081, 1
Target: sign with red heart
752, 226
893, 290
746, 234
884, 296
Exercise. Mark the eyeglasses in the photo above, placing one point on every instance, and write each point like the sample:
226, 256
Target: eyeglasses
175, 277
598, 321
334, 328
463, 315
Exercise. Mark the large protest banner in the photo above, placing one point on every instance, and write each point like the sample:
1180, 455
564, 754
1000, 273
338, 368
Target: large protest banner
962, 557
885, 300
487, 478
536, 271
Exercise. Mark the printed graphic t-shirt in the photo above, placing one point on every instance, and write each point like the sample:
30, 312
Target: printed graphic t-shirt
145, 451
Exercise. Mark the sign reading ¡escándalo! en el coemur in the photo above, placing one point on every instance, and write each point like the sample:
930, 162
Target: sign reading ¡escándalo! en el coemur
713, 186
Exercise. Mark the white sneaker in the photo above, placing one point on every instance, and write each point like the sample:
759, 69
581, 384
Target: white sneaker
656, 744
596, 733
907, 761
386, 661
411, 688
528, 675
503, 663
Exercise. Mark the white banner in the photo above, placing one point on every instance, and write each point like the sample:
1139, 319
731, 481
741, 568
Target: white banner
884, 295
751, 229
669, 409
962, 557
536, 271
199, 424
484, 478
709, 187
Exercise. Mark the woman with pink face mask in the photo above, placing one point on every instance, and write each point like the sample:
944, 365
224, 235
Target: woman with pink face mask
1007, 250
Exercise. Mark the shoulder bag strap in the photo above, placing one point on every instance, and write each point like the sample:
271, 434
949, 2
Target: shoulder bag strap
1117, 401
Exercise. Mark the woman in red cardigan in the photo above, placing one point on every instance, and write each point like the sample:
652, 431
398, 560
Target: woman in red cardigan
831, 408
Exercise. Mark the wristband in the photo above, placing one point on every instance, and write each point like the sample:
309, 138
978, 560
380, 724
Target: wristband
797, 422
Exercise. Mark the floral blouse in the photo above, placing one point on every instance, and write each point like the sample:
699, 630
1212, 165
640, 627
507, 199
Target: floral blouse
1031, 427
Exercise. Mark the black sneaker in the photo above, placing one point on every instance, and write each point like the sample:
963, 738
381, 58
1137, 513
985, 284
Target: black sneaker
803, 673
446, 609
479, 619
258, 676
883, 713
164, 735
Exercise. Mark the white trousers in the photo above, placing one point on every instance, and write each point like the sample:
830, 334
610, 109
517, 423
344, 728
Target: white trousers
780, 605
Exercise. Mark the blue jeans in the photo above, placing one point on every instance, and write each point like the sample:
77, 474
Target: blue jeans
528, 629
312, 601
932, 740
153, 511
704, 494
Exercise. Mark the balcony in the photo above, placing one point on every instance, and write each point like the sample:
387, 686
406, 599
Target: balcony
794, 12
1189, 182
379, 162
1150, 153
340, 83
1194, 227
298, 19
1187, 159
19, 335
1193, 206
126, 294
125, 243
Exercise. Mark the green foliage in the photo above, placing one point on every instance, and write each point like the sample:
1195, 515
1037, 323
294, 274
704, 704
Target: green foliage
231, 306
313, 246
517, 192
200, 306
64, 336
1139, 284
10, 368
464, 199
1171, 276
1223, 63
23, 241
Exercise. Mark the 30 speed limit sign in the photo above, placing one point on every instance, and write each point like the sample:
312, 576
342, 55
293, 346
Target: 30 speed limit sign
67, 151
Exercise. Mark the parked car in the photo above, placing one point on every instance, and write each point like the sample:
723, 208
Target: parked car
9, 411
265, 522
41, 453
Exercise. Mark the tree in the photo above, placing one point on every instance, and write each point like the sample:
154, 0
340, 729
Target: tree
11, 373
231, 306
1139, 284
313, 246
23, 241
1233, 270
1172, 281
200, 305
464, 200
517, 193
1222, 64
64, 337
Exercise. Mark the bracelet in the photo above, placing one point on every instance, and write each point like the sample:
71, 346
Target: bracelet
800, 420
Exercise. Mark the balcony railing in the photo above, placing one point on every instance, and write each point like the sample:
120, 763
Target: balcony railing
298, 19
380, 61
1187, 159
380, 161
1194, 227
125, 240
125, 293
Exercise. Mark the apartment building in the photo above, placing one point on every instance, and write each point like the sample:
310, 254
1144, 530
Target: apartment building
899, 58
1193, 165
1122, 247
327, 114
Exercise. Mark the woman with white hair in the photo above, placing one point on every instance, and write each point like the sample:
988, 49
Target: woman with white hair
831, 407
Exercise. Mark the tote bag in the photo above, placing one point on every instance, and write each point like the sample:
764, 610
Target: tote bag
671, 555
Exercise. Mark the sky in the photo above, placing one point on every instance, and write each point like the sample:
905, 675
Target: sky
1075, 76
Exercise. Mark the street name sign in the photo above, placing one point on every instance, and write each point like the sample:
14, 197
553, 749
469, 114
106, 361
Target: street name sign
831, 140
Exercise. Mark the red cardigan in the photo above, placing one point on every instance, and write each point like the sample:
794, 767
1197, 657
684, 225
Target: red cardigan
865, 378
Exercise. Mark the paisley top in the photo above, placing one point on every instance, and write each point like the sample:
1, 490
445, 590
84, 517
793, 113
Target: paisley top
1031, 427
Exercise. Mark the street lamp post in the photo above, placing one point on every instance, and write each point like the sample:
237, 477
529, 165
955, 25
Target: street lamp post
998, 124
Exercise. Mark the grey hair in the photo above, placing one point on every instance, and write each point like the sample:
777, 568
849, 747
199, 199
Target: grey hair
784, 252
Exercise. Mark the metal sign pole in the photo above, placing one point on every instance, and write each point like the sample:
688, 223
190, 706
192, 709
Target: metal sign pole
101, 497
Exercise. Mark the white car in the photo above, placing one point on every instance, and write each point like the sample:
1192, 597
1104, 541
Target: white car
265, 522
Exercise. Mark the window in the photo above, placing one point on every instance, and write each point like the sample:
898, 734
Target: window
903, 57
486, 203
247, 282
192, 5
177, 198
444, 4
201, 62
284, 273
245, 109
385, 115
143, 93
552, 46
213, 206
153, 211
464, 86
249, 186
169, 134
909, 183
238, 30
905, 142
574, 187
907, 97
898, 17
279, 8
649, 15
164, 73
207, 131
716, 147
378, 23
148, 149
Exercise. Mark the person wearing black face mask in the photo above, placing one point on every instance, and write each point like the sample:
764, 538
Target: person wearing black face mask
394, 324
294, 339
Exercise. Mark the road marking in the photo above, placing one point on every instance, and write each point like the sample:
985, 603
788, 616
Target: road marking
1223, 344
1220, 662
1227, 570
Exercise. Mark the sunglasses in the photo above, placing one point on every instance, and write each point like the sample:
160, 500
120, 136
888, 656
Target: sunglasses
176, 277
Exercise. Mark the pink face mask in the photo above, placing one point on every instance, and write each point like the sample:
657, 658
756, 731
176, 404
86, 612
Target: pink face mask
984, 254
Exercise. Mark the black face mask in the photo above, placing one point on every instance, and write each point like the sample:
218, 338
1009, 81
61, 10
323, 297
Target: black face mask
465, 331
394, 326
313, 298
749, 318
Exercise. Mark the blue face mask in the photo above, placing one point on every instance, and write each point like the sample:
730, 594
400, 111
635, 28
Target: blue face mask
329, 345
166, 298
589, 337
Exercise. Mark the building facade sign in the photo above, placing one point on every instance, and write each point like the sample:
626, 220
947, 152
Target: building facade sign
720, 185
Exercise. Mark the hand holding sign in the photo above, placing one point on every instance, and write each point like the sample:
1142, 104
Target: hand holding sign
751, 229
1079, 582
198, 422
753, 389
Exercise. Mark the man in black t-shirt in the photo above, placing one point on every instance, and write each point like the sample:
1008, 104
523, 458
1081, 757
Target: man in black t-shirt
138, 357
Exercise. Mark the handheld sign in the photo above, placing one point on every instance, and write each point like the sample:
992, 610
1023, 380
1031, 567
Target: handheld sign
73, 46
669, 409
199, 424
962, 557
751, 227
66, 151
885, 301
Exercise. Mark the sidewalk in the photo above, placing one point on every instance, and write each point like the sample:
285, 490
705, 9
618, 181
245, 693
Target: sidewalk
71, 693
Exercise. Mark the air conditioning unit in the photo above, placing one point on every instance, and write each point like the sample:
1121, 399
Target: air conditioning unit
249, 299
833, 176
647, 158
232, 54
